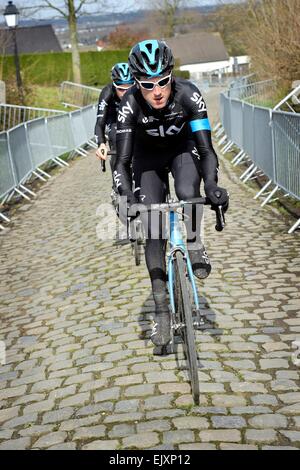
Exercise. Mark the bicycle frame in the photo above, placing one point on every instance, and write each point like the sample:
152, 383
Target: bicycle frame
176, 243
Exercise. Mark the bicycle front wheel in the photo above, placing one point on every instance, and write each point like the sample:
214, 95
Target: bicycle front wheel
137, 252
139, 241
184, 313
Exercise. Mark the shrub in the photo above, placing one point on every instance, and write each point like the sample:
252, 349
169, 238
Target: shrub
53, 68
182, 73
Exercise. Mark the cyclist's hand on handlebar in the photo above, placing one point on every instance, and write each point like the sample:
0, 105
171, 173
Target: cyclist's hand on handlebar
218, 196
101, 153
132, 207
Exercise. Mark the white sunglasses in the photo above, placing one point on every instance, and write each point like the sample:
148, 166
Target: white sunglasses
123, 88
162, 83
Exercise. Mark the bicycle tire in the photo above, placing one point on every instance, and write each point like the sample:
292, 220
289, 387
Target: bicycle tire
139, 242
184, 312
137, 252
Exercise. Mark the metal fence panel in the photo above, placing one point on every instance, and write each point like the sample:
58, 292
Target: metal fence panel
7, 180
237, 123
28, 145
263, 150
89, 119
38, 140
60, 134
227, 117
260, 93
248, 130
286, 127
13, 115
76, 95
20, 153
78, 128
222, 106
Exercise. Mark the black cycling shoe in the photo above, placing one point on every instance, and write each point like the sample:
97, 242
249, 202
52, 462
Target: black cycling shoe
161, 331
200, 263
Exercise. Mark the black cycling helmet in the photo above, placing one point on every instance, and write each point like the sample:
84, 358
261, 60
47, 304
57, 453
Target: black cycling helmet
150, 58
120, 74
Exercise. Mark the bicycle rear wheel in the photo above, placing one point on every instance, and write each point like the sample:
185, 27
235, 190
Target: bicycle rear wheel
184, 313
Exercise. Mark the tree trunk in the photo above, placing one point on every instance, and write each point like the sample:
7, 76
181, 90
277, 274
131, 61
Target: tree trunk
74, 42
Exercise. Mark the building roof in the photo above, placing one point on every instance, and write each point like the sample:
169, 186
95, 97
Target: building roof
32, 39
197, 48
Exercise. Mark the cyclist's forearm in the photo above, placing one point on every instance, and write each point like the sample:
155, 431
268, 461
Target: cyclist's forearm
99, 133
208, 157
122, 176
122, 170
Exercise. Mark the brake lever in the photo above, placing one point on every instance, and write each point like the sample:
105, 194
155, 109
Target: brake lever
103, 166
220, 219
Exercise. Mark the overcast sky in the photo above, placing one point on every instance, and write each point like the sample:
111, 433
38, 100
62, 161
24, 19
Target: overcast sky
119, 5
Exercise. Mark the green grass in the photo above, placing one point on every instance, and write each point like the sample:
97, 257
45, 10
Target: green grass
45, 97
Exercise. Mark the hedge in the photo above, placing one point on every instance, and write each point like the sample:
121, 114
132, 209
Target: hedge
53, 68
182, 73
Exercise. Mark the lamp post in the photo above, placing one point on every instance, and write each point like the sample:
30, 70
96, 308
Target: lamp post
11, 15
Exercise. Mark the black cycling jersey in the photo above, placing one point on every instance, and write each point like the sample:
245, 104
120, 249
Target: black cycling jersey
142, 129
108, 107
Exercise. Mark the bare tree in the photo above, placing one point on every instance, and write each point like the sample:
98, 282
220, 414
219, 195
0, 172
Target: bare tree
167, 15
124, 36
273, 40
70, 10
229, 20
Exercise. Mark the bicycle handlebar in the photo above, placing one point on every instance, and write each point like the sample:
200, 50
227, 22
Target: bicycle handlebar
170, 206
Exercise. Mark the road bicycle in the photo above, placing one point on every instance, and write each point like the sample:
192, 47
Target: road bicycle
183, 293
134, 227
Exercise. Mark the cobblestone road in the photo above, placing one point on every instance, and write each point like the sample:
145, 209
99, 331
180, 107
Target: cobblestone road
75, 315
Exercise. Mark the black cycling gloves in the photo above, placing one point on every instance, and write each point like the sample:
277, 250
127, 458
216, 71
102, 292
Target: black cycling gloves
218, 196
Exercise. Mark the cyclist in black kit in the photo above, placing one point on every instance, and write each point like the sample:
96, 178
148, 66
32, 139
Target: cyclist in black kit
162, 122
108, 106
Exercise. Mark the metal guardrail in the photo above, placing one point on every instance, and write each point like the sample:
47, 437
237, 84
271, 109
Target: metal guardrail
243, 81
291, 100
78, 96
261, 93
221, 77
269, 140
12, 115
24, 148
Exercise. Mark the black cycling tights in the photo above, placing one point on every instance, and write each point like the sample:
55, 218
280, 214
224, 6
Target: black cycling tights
150, 187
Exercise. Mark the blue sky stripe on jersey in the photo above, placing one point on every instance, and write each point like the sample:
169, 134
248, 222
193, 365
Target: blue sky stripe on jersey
200, 125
